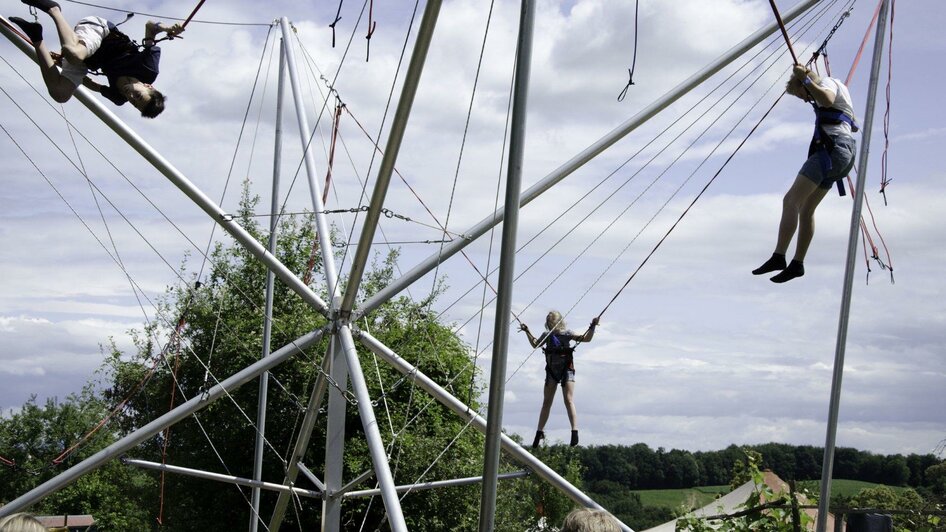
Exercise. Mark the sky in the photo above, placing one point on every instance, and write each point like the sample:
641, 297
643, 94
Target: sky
695, 353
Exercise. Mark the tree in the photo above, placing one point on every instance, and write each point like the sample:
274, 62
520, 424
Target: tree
215, 330
38, 439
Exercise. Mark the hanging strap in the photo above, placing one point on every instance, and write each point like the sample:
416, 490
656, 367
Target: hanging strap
630, 71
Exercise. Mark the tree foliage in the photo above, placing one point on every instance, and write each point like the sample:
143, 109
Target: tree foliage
217, 329
38, 438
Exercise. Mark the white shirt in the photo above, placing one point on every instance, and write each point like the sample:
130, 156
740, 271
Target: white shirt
842, 102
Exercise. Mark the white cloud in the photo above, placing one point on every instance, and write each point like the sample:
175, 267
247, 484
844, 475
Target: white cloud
696, 353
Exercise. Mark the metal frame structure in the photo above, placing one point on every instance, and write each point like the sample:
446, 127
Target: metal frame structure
845, 311
341, 363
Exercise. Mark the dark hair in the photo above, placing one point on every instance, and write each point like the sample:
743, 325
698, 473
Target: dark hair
155, 105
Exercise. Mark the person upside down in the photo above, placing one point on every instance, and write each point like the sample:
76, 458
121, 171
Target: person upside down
96, 44
830, 159
559, 368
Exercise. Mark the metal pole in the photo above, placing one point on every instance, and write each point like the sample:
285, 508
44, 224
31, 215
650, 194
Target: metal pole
184, 410
577, 161
435, 484
302, 442
225, 220
466, 413
268, 307
335, 440
403, 112
828, 463
507, 268
229, 479
382, 469
321, 225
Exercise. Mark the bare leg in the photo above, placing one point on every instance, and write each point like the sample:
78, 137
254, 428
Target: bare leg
72, 48
792, 204
568, 393
806, 223
548, 396
60, 88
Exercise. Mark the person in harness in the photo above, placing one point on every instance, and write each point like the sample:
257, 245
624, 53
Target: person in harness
96, 44
556, 343
830, 159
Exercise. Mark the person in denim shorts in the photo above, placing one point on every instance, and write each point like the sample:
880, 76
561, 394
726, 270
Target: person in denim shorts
556, 343
830, 159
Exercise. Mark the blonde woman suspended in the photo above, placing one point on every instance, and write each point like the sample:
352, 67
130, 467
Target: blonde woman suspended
556, 343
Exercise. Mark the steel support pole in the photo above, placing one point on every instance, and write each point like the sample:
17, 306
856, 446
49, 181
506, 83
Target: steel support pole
521, 455
379, 456
177, 414
302, 442
844, 316
577, 161
321, 225
224, 219
268, 307
401, 115
435, 484
335, 440
507, 268
229, 479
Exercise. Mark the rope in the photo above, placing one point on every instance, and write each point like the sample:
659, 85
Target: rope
781, 26
194, 12
220, 23
372, 25
630, 71
884, 181
338, 16
685, 211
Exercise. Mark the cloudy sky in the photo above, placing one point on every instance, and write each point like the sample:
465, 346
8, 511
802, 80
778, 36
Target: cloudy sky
695, 354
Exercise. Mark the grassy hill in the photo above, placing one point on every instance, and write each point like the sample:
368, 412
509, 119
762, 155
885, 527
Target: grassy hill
703, 495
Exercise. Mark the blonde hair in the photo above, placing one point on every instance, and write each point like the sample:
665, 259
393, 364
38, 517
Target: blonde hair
21, 523
588, 520
554, 321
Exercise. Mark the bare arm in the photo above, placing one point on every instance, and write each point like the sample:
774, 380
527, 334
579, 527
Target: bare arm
533, 341
152, 29
824, 97
590, 333
91, 85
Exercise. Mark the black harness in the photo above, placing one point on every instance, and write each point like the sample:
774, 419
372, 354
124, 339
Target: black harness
821, 141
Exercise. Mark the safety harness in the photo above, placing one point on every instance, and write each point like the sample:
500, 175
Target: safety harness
821, 141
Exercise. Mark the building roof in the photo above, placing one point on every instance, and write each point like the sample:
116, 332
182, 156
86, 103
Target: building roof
732, 501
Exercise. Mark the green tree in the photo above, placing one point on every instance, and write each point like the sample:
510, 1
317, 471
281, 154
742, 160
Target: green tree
883, 498
38, 438
216, 329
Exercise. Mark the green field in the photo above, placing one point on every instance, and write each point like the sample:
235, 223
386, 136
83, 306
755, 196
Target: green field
703, 495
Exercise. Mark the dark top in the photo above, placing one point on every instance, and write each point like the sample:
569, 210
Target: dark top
141, 65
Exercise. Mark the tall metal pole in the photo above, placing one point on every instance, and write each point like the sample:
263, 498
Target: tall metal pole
391, 150
302, 442
577, 161
478, 422
321, 225
179, 413
335, 440
268, 307
830, 438
507, 268
379, 457
224, 219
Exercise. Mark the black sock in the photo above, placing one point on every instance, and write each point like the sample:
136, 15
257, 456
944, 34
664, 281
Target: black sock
574, 441
795, 269
775, 262
539, 436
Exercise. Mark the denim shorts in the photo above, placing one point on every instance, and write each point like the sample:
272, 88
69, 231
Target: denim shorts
842, 160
